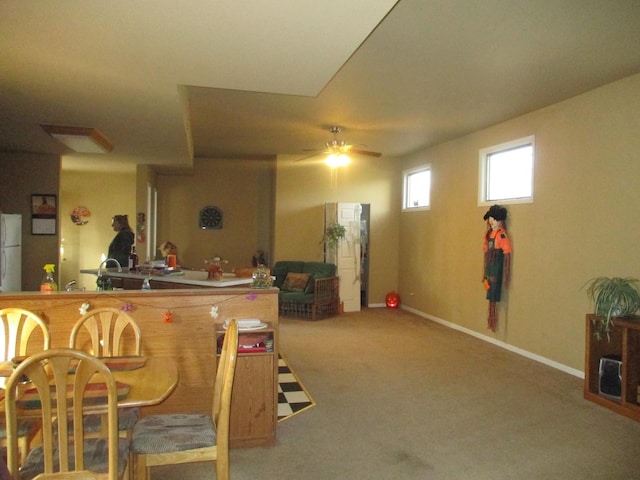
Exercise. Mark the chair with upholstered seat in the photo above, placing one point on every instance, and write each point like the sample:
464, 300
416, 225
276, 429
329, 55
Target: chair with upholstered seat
21, 332
85, 379
108, 332
187, 438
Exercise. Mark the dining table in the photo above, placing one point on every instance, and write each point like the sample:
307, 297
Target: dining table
148, 381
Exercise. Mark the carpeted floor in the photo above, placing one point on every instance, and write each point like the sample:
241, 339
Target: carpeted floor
293, 398
399, 397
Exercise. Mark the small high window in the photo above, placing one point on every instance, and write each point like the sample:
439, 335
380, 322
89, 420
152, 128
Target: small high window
506, 172
416, 188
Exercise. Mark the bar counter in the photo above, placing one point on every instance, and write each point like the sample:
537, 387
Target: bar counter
159, 279
188, 334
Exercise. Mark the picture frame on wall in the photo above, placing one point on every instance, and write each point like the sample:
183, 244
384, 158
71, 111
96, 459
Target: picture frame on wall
44, 214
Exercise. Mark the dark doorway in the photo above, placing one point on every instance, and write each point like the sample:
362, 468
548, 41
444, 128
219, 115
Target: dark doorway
364, 253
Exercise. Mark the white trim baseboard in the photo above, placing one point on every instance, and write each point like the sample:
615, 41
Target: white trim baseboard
376, 305
499, 343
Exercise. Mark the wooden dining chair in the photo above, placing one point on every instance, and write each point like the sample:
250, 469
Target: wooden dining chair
86, 381
108, 332
187, 438
21, 332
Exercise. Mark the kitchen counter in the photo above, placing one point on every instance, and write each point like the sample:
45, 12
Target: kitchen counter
184, 279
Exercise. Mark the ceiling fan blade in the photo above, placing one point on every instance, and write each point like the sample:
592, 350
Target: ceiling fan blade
313, 155
319, 150
365, 152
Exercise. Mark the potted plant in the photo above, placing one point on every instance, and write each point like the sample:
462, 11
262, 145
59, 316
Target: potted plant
333, 234
612, 297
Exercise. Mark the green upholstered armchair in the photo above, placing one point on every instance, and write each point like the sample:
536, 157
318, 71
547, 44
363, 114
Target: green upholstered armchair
307, 289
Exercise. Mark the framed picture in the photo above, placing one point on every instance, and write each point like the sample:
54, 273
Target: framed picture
44, 208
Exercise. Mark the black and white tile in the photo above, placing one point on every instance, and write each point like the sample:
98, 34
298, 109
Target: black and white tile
292, 396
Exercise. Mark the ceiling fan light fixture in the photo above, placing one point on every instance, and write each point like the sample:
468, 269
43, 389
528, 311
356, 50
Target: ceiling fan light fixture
80, 139
339, 151
337, 160
336, 144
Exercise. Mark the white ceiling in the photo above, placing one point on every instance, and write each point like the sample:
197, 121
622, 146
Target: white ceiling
166, 80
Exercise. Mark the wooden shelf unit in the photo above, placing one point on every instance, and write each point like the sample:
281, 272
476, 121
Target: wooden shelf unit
254, 404
624, 342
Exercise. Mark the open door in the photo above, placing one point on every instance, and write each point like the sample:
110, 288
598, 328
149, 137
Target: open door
347, 255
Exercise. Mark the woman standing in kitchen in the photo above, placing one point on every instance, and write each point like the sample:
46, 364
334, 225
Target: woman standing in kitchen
120, 246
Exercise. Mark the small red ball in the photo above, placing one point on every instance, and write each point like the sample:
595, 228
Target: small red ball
393, 300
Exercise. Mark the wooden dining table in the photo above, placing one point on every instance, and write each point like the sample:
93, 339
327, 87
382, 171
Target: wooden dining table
150, 381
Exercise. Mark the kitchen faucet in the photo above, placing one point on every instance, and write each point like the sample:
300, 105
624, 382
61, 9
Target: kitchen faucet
69, 287
105, 261
105, 283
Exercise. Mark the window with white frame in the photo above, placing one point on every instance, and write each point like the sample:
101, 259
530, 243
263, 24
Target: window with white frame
416, 188
506, 172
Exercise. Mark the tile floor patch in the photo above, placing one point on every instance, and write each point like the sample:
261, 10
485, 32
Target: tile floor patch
292, 396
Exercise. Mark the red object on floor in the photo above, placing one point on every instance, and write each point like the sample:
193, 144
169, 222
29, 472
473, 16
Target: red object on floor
393, 300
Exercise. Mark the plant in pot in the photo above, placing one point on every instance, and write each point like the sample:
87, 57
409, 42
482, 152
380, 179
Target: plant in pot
612, 297
333, 234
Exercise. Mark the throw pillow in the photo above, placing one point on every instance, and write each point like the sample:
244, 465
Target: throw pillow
295, 282
311, 286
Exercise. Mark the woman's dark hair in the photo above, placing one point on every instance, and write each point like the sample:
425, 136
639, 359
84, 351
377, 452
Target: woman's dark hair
123, 220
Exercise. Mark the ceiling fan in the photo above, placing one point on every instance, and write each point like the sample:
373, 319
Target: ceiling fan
338, 149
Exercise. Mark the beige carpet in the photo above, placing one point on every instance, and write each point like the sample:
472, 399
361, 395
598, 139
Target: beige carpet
399, 397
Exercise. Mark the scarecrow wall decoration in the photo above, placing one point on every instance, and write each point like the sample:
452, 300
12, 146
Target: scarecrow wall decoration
497, 259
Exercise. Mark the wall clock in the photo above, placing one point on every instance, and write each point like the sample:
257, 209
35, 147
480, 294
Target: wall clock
211, 218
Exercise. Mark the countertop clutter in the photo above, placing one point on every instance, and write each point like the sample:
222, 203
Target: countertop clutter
184, 277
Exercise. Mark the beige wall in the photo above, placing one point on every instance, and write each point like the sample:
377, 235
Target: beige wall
303, 188
582, 223
105, 195
242, 189
21, 175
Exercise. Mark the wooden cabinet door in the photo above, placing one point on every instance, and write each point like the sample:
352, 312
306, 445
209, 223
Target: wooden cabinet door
254, 401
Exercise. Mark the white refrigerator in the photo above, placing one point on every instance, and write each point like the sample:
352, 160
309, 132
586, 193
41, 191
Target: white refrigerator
10, 252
